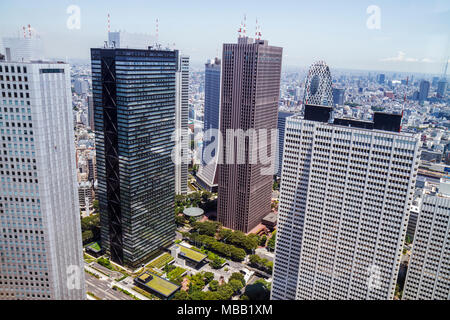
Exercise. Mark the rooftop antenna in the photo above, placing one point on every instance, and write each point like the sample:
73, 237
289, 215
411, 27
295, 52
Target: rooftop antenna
24, 33
245, 27
109, 23
240, 30
445, 68
29, 30
157, 30
258, 31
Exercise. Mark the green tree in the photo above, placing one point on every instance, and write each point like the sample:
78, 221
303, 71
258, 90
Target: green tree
262, 241
181, 295
236, 285
238, 276
213, 285
209, 276
225, 291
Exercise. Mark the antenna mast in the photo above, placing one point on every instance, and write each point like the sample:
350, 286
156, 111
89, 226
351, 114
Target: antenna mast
109, 23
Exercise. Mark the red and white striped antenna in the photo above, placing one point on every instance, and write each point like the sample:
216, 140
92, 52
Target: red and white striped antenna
245, 25
258, 31
240, 30
29, 30
24, 33
157, 30
109, 23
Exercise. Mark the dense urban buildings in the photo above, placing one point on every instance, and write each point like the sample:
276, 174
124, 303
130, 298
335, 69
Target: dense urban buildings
250, 92
318, 85
40, 245
345, 196
181, 124
428, 276
135, 100
207, 175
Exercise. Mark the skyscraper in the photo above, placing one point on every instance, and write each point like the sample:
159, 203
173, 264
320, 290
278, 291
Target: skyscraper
441, 88
40, 247
338, 96
207, 174
282, 116
251, 75
428, 276
318, 85
424, 90
135, 104
181, 123
345, 194
380, 78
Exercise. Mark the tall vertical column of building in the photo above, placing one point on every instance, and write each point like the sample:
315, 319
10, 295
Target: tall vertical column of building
40, 242
428, 276
135, 100
207, 174
251, 75
346, 191
181, 124
282, 116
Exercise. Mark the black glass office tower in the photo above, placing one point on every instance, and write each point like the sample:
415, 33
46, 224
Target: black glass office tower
134, 94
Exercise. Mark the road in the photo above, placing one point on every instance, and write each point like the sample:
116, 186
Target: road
102, 289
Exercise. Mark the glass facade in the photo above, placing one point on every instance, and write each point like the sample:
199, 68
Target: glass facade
134, 94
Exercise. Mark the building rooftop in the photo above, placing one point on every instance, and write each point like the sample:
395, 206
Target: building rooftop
193, 212
192, 254
158, 284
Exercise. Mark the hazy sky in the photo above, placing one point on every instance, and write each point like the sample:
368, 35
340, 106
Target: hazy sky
412, 36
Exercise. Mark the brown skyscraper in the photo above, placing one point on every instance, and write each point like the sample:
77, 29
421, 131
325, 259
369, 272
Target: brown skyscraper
250, 92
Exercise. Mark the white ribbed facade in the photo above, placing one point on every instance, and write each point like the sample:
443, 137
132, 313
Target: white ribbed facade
181, 124
40, 238
344, 204
428, 276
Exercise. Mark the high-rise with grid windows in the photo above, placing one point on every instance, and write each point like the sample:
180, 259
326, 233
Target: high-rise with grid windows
134, 94
40, 233
251, 72
346, 190
428, 276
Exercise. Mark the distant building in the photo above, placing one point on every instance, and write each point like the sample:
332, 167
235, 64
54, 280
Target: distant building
441, 88
90, 103
86, 196
81, 86
380, 78
424, 90
208, 175
23, 49
181, 124
282, 115
318, 85
128, 40
338, 96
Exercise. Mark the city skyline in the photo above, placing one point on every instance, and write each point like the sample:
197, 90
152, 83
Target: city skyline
297, 27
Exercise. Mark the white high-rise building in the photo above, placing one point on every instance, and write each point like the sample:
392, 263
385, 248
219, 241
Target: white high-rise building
181, 124
23, 49
345, 194
40, 240
125, 40
428, 276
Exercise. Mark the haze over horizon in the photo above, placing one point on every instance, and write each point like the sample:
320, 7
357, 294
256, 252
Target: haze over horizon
402, 43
